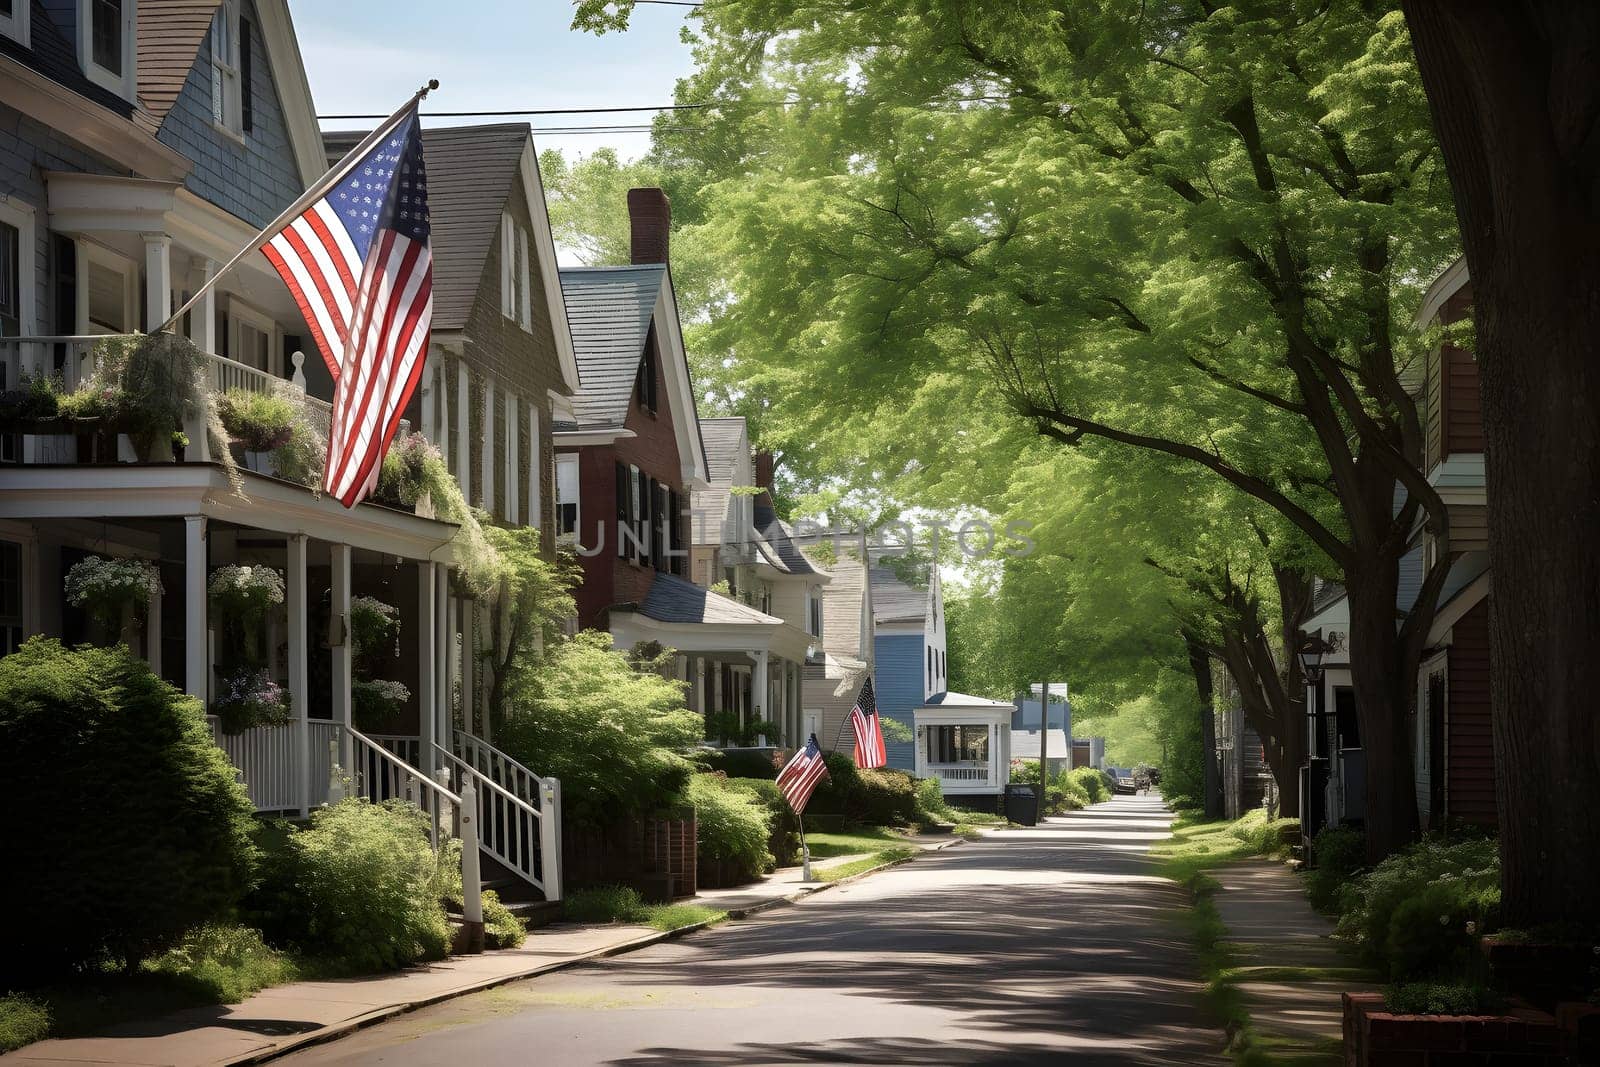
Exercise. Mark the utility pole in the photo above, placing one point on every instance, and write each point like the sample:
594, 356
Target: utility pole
1044, 745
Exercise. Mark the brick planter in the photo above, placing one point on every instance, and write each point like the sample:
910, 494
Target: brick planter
1523, 1036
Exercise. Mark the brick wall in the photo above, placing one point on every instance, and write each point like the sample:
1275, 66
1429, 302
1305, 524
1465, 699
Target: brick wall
255, 179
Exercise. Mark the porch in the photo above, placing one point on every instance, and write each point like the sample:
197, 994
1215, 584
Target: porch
964, 743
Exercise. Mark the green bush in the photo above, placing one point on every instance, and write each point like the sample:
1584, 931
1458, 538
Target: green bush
784, 840
227, 962
1436, 998
1094, 783
884, 798
258, 421
733, 825
1264, 836
615, 736
743, 763
931, 801
501, 928
1410, 913
23, 1021
615, 903
1338, 853
357, 888
136, 827
835, 794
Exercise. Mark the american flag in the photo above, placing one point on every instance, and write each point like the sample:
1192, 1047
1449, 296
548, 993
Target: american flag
801, 775
869, 731
360, 266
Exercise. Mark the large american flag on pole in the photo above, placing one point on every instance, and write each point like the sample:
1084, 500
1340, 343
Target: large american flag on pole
801, 774
359, 264
869, 730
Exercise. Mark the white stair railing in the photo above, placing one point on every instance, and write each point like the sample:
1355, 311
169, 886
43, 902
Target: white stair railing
380, 775
509, 828
505, 780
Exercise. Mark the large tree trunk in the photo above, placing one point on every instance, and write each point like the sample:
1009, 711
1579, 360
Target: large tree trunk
1516, 101
1384, 686
1211, 778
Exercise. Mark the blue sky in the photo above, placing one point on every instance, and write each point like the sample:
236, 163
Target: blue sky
368, 56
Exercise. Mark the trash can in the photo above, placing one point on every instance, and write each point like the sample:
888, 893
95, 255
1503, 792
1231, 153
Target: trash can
1022, 804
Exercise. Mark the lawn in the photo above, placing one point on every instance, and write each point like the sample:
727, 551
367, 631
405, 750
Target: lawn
619, 904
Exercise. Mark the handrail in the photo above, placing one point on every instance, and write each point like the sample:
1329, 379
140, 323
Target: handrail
488, 753
509, 828
393, 772
482, 779
512, 781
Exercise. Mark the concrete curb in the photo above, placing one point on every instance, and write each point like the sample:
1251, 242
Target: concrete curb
345, 1027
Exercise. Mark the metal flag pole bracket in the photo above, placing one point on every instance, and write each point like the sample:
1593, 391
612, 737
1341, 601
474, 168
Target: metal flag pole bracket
305, 200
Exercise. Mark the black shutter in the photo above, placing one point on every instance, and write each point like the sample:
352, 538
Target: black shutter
246, 112
622, 509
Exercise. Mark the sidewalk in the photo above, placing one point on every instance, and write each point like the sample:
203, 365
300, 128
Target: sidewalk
1273, 932
277, 1020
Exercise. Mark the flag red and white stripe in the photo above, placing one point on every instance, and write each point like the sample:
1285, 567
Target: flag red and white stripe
359, 263
800, 775
868, 728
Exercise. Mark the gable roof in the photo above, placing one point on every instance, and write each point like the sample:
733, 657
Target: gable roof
610, 309
168, 43
671, 599
724, 440
471, 171
894, 600
777, 536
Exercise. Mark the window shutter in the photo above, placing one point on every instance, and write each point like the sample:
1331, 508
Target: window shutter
622, 508
246, 111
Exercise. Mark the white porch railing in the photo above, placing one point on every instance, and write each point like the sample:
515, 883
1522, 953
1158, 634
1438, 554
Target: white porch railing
265, 756
378, 775
520, 811
964, 775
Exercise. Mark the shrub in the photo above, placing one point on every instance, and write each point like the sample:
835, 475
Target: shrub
1264, 836
358, 888
1094, 784
136, 826
1410, 913
23, 1021
1338, 852
615, 903
733, 826
884, 798
930, 801
501, 928
226, 962
613, 735
742, 764
1436, 998
784, 839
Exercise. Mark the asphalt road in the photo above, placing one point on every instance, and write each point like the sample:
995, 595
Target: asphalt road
1047, 945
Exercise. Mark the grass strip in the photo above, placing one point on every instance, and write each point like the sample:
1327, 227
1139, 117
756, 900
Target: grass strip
865, 863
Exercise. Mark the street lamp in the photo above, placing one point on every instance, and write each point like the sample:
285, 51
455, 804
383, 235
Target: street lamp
1312, 649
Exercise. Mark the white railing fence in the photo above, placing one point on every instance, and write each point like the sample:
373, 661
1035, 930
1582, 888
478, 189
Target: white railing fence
67, 358
520, 823
265, 756
968, 775
378, 775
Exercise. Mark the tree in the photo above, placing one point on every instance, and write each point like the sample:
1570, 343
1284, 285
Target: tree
531, 603
1190, 230
1516, 103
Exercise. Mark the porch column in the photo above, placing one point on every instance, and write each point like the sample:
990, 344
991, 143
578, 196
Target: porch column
994, 752
759, 697
427, 710
441, 656
299, 704
152, 634
919, 750
463, 446
157, 278
429, 389
339, 620
196, 661
203, 316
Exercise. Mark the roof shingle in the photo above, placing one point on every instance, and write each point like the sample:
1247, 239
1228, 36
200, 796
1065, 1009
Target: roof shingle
609, 309
671, 599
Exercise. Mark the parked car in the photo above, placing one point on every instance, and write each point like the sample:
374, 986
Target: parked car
1123, 783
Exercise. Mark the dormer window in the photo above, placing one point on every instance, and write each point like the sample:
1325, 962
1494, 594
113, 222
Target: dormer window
230, 69
106, 43
14, 20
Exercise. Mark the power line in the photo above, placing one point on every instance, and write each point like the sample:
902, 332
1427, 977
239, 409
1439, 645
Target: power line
718, 104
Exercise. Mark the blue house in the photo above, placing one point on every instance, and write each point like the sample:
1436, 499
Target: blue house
908, 643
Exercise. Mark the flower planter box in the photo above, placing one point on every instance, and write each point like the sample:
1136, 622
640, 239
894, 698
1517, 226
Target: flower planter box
1374, 1037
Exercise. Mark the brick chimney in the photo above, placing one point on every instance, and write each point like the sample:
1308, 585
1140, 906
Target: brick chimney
764, 470
650, 213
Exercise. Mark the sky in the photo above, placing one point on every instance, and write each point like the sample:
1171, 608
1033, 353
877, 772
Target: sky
369, 56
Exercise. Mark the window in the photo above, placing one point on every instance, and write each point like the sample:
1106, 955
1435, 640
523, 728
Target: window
14, 19
10, 597
515, 273
958, 744
644, 384
105, 43
813, 613
566, 494
230, 68
252, 338
10, 280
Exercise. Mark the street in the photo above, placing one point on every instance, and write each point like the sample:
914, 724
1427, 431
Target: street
1030, 946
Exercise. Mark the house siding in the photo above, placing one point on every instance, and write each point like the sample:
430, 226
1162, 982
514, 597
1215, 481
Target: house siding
1470, 767
900, 683
254, 180
1454, 420
28, 149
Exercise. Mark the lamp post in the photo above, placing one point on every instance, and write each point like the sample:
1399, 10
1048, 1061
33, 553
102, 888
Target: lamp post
1310, 651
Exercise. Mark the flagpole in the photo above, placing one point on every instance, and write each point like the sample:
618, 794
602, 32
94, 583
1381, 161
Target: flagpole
305, 200
805, 853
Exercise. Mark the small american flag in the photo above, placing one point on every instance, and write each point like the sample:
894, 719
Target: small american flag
801, 775
869, 730
360, 265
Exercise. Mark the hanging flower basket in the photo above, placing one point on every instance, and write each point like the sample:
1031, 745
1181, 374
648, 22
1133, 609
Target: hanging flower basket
376, 704
104, 587
245, 592
248, 698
